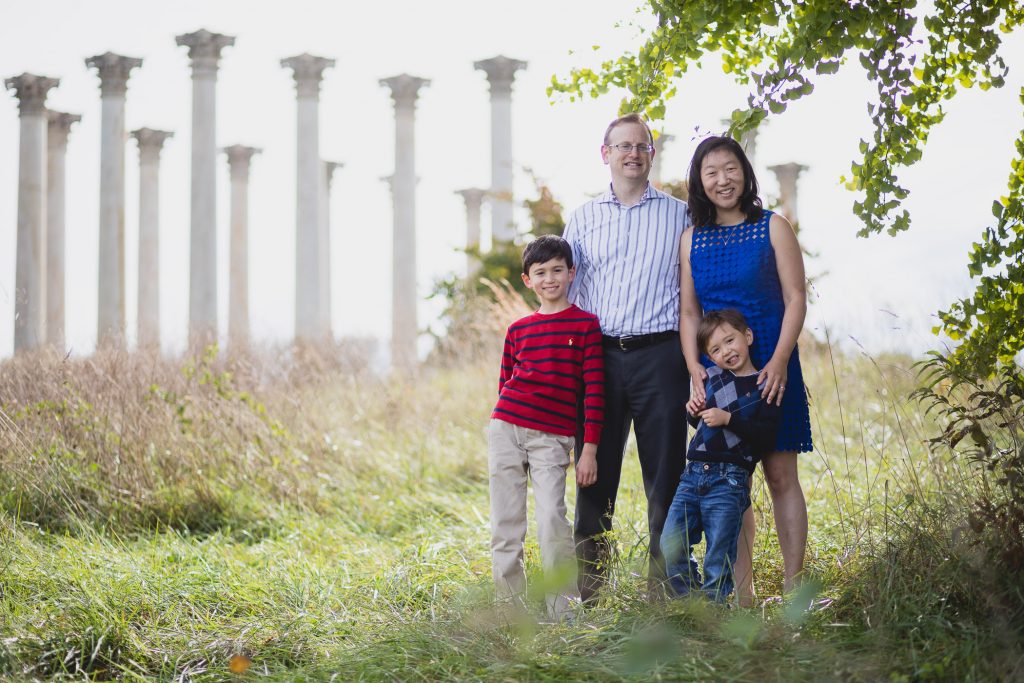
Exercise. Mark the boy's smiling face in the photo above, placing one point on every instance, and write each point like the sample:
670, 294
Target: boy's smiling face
550, 281
730, 349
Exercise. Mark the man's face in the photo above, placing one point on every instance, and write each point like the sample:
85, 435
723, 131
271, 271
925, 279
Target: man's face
632, 166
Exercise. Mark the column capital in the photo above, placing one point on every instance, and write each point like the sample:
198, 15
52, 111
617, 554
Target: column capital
329, 168
473, 196
404, 88
114, 71
58, 126
239, 157
151, 141
31, 91
308, 71
790, 170
501, 71
204, 49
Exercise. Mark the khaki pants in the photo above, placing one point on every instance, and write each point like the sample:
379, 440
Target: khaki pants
515, 453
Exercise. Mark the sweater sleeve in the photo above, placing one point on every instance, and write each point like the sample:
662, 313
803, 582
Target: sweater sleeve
593, 385
508, 361
760, 429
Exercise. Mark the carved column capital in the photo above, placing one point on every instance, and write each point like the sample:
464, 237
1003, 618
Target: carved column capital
404, 89
114, 71
239, 158
329, 168
151, 141
473, 196
308, 71
31, 91
59, 125
204, 48
501, 71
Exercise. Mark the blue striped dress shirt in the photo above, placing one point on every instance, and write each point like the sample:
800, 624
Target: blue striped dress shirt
627, 261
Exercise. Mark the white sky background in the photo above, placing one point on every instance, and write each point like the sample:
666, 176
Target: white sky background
965, 165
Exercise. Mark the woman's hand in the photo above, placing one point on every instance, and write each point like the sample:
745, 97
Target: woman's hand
698, 375
774, 376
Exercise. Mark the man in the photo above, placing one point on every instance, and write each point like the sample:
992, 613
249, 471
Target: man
626, 247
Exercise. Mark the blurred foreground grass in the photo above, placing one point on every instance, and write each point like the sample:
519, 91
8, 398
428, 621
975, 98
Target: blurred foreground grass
296, 518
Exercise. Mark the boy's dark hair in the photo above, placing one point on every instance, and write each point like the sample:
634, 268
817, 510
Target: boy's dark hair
628, 118
702, 211
545, 248
713, 320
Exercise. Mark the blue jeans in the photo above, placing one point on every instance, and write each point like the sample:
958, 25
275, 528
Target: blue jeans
711, 499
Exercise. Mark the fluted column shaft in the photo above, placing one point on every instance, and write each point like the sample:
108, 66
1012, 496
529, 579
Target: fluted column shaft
473, 198
113, 71
30, 267
239, 159
308, 72
659, 146
500, 74
148, 305
59, 126
787, 175
404, 323
326, 175
204, 49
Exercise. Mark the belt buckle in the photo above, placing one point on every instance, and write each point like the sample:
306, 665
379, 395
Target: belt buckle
622, 342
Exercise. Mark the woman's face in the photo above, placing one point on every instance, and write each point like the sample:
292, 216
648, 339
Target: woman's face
722, 176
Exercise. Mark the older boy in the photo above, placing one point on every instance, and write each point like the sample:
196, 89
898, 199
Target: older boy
552, 360
735, 427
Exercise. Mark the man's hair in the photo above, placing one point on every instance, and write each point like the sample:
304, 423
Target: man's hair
628, 118
702, 211
713, 320
545, 248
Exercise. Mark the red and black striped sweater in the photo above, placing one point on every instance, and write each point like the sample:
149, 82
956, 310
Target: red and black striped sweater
550, 362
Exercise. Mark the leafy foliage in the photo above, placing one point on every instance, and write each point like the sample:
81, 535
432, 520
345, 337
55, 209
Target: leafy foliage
916, 61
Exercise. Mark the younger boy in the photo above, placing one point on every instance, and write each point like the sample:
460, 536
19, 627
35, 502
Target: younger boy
552, 360
735, 427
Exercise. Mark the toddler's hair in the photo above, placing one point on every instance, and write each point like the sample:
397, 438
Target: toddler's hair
714, 319
545, 248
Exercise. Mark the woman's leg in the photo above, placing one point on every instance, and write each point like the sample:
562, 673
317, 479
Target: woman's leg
780, 473
744, 567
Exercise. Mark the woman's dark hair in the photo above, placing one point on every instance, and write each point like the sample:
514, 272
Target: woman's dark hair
702, 211
545, 248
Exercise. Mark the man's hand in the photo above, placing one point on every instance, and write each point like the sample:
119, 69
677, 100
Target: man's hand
695, 405
586, 466
715, 417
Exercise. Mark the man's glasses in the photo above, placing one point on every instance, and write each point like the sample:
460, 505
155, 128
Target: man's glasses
626, 148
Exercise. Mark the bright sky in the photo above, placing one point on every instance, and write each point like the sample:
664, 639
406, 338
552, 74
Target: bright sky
883, 291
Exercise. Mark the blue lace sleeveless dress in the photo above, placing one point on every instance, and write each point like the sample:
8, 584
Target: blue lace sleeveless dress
733, 266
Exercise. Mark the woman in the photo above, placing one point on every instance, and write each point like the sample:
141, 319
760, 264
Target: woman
741, 256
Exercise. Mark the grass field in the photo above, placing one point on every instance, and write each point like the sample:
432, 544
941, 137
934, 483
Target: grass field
288, 518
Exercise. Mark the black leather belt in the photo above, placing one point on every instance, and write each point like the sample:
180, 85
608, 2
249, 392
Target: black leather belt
639, 341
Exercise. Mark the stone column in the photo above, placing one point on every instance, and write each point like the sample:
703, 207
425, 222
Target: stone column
30, 270
204, 50
308, 71
150, 143
404, 325
56, 150
501, 72
114, 71
324, 250
474, 198
787, 175
659, 146
239, 158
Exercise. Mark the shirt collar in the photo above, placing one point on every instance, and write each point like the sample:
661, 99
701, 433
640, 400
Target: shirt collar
610, 198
